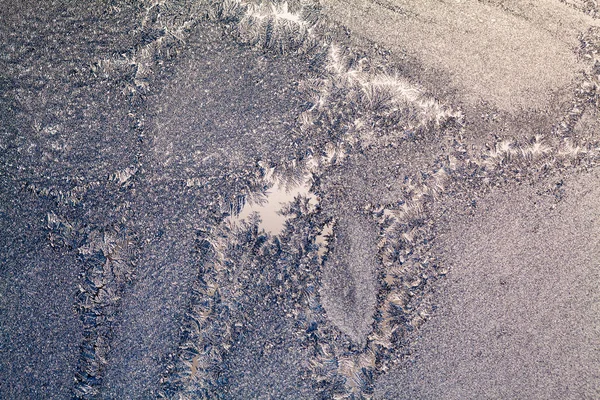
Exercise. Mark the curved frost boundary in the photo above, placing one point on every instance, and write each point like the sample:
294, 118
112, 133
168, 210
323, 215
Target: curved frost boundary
366, 104
339, 368
356, 105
